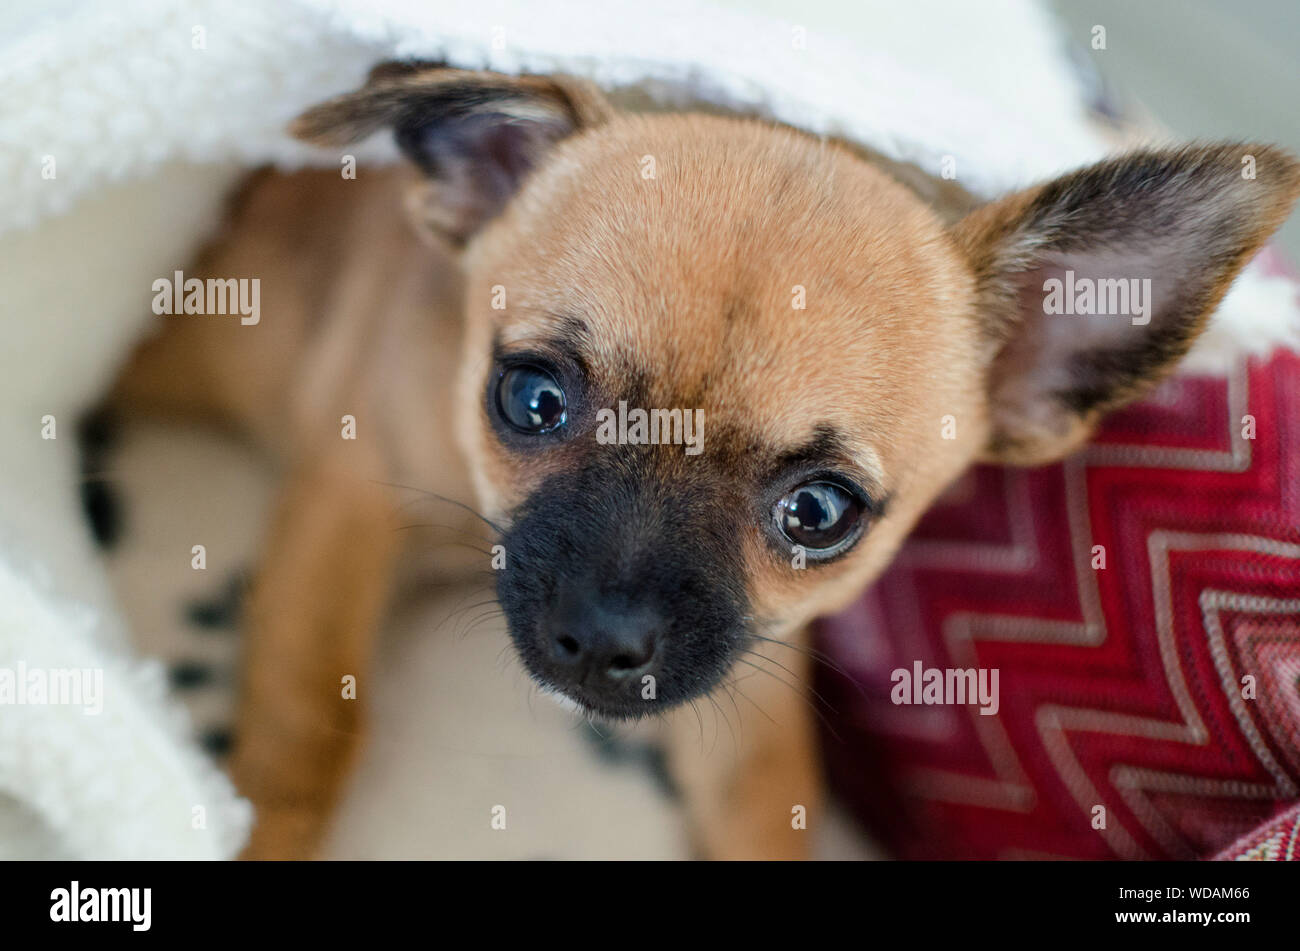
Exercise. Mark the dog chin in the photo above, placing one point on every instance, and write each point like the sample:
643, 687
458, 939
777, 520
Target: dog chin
590, 710
565, 702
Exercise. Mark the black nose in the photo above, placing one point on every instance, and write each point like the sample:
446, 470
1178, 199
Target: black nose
599, 646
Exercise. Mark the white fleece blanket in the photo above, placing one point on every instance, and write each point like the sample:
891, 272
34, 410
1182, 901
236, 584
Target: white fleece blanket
123, 123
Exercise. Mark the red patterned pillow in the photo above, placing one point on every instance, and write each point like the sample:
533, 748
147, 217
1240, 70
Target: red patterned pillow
1141, 604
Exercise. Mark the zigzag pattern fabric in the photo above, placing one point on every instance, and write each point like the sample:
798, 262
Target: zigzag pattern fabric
1141, 604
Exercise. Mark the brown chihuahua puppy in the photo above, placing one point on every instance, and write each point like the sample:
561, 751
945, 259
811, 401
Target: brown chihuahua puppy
825, 338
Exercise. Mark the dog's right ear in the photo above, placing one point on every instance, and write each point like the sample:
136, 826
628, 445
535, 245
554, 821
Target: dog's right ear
476, 135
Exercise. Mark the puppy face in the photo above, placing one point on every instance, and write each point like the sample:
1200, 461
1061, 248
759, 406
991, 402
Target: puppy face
684, 292
835, 352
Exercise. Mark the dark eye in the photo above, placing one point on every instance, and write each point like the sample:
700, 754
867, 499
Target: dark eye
530, 399
818, 515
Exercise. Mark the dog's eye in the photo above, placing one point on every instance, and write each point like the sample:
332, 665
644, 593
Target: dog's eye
819, 515
530, 399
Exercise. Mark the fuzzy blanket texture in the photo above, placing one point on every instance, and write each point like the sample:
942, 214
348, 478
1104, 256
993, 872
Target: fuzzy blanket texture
124, 124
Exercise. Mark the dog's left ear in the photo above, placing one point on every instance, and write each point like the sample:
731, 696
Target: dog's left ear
476, 135
1091, 287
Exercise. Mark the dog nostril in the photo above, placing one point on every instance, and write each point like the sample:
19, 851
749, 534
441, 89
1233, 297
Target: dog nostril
631, 659
569, 646
626, 662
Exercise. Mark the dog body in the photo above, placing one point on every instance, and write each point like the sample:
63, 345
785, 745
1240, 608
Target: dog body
852, 334
366, 320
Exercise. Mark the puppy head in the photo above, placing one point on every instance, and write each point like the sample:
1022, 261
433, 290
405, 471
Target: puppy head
830, 353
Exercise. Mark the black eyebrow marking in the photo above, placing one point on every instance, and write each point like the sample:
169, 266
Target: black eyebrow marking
569, 340
827, 445
828, 451
573, 339
574, 328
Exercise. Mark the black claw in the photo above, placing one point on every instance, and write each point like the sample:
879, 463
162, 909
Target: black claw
103, 510
216, 741
223, 611
188, 674
96, 436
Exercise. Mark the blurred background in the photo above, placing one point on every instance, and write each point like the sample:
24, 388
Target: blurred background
1202, 68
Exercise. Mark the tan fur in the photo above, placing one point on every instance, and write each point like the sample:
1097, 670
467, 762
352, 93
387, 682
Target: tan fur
685, 280
742, 791
361, 318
